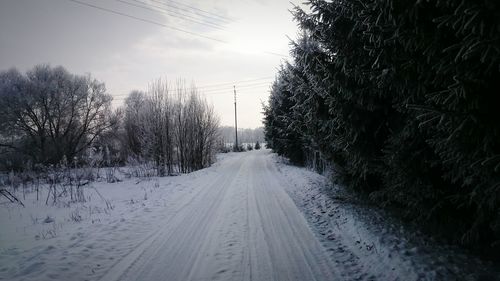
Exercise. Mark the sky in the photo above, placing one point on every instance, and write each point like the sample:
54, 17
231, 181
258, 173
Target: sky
127, 44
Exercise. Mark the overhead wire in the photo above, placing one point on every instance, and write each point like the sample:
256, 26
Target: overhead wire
148, 21
243, 91
213, 89
235, 82
226, 86
170, 13
191, 9
161, 24
197, 9
239, 87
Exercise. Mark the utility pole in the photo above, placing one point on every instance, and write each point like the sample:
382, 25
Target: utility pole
237, 148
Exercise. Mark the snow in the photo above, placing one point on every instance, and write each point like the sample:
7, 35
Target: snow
367, 244
248, 217
82, 238
230, 221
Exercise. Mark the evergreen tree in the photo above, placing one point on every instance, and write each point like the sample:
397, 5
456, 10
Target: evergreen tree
400, 98
257, 145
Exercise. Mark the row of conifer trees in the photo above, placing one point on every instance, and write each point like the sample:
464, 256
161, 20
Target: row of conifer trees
401, 99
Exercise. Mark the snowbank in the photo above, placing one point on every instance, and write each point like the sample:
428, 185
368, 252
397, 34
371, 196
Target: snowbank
368, 244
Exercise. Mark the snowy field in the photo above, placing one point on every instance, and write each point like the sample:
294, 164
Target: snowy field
248, 217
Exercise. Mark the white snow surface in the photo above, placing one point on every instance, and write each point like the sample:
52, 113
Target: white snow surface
367, 243
248, 217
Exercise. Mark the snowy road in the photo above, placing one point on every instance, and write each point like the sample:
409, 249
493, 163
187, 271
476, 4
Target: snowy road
239, 224
237, 220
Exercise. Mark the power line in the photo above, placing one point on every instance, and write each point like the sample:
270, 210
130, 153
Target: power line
208, 15
244, 91
148, 21
274, 54
228, 88
170, 13
173, 14
222, 86
197, 9
234, 82
162, 25
262, 84
215, 91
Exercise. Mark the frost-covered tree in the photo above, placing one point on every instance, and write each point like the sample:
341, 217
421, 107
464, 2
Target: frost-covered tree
156, 131
280, 129
400, 97
177, 129
48, 114
134, 104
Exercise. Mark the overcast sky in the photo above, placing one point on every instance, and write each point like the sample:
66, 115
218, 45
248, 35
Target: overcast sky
127, 53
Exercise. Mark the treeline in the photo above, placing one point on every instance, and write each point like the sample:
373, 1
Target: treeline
245, 135
401, 99
49, 117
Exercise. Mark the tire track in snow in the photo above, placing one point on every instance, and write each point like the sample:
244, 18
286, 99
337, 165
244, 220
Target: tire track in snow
144, 252
241, 225
304, 257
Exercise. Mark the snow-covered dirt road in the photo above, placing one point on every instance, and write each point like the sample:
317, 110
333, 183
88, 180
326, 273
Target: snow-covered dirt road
239, 225
248, 217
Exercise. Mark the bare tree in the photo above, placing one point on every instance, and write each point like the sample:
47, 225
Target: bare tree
177, 130
49, 113
134, 103
156, 127
196, 130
